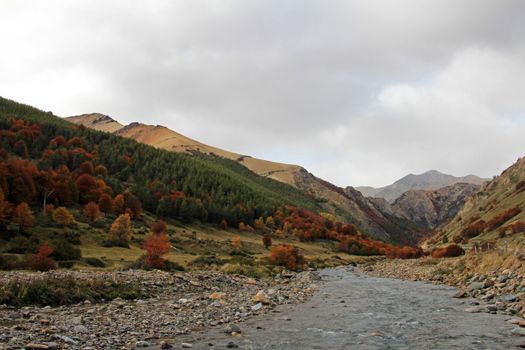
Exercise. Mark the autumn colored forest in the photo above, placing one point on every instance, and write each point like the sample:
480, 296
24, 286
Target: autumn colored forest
55, 174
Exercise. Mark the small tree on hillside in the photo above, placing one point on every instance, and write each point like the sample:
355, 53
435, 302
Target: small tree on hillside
156, 245
41, 261
91, 211
267, 241
118, 204
159, 227
63, 217
24, 216
236, 242
105, 203
121, 229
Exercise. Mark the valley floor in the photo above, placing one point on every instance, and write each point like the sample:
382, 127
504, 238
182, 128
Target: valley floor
353, 310
176, 304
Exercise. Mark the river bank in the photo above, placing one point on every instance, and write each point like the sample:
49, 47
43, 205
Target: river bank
176, 304
497, 290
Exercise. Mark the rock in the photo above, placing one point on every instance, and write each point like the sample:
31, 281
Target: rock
80, 329
521, 323
67, 339
251, 281
217, 295
502, 278
509, 298
473, 310
165, 345
232, 345
142, 344
232, 328
257, 307
460, 294
261, 297
519, 331
185, 346
76, 320
474, 286
36, 346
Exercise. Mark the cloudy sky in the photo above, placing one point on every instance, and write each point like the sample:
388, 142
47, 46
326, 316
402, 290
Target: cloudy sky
358, 92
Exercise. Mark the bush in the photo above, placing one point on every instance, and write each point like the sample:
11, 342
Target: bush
205, 260
473, 230
449, 251
63, 291
63, 250
41, 261
287, 256
166, 266
95, 262
500, 219
66, 264
9, 262
353, 247
517, 227
18, 245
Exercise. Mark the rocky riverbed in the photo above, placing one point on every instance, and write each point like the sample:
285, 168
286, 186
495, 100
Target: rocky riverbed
497, 292
180, 303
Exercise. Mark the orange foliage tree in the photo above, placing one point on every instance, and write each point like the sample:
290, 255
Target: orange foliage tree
267, 241
159, 227
121, 229
105, 203
236, 242
63, 217
449, 251
288, 256
118, 204
24, 216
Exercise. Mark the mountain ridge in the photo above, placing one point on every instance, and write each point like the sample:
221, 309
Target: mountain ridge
429, 180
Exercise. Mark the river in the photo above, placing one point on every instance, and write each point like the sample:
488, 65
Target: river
355, 311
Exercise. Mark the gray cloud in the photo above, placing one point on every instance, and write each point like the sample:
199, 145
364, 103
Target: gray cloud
359, 92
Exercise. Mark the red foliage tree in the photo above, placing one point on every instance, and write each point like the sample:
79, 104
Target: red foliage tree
105, 203
118, 204
156, 245
91, 211
24, 216
42, 261
159, 227
267, 241
449, 251
88, 188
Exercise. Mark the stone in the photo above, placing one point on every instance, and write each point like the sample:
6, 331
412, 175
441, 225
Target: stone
510, 298
474, 286
186, 345
232, 345
217, 296
36, 346
257, 307
519, 331
232, 328
76, 320
165, 345
473, 310
142, 344
261, 297
460, 294
80, 329
502, 278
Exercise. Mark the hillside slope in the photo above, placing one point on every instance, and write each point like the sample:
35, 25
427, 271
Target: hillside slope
494, 213
430, 180
348, 205
433, 208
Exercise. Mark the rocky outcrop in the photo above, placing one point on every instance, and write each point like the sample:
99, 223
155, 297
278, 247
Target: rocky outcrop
433, 208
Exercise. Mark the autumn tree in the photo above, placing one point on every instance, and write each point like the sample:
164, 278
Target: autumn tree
267, 241
63, 217
259, 224
105, 203
101, 171
156, 245
23, 216
91, 211
49, 210
287, 256
120, 231
5, 208
270, 222
159, 227
41, 261
118, 204
223, 225
236, 242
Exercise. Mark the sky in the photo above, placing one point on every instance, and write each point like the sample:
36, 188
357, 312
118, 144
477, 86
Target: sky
358, 92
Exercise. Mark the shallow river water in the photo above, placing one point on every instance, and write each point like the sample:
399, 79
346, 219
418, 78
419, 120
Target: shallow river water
355, 311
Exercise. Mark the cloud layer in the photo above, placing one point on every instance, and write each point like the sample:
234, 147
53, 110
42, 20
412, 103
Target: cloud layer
359, 92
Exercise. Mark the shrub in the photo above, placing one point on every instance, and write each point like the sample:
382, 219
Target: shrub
156, 245
95, 262
9, 262
236, 242
449, 251
473, 229
205, 260
516, 227
500, 219
63, 291
42, 261
91, 211
159, 227
405, 253
62, 216
267, 241
63, 250
287, 256
121, 229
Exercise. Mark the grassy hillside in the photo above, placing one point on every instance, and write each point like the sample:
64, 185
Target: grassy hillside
494, 215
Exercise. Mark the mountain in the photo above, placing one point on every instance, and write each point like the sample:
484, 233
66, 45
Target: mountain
435, 207
430, 180
347, 205
494, 213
